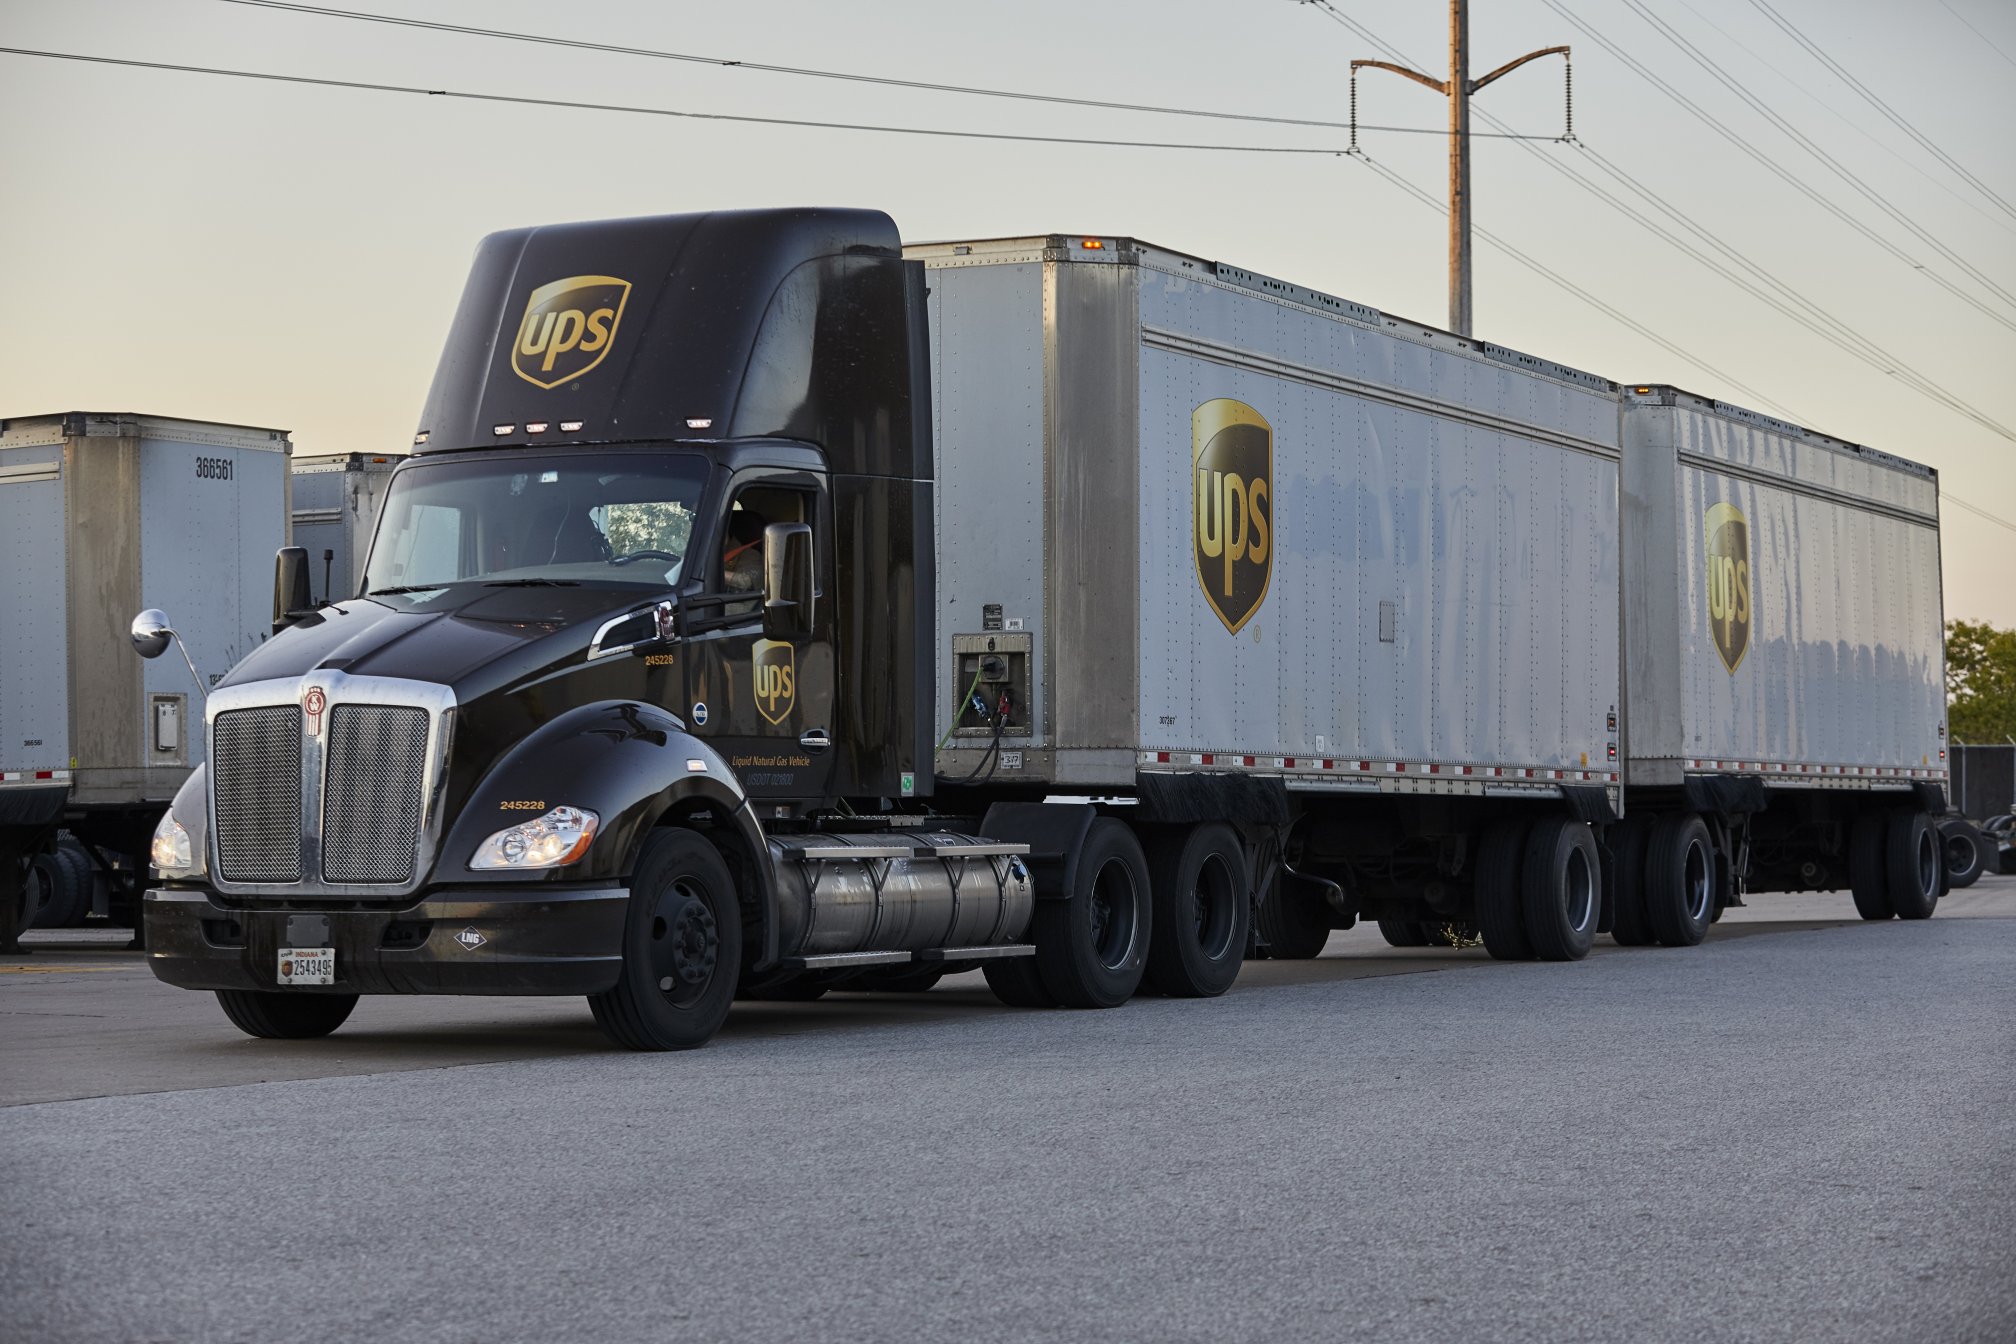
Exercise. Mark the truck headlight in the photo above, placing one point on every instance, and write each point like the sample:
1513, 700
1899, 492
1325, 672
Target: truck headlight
172, 852
558, 838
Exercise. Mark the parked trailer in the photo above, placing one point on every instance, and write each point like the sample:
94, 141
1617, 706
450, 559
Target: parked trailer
102, 515
335, 506
1785, 723
1119, 613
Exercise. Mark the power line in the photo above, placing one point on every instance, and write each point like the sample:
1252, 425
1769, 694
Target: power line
1977, 32
1805, 142
1869, 96
1776, 169
509, 35
633, 110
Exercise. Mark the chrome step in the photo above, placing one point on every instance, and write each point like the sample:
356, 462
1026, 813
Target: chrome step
992, 953
844, 961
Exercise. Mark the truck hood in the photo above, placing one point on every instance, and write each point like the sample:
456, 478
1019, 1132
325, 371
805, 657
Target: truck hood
473, 637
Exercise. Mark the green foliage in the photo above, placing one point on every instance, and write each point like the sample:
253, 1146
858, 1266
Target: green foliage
649, 525
1980, 682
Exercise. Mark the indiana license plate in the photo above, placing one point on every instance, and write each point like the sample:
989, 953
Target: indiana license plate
307, 965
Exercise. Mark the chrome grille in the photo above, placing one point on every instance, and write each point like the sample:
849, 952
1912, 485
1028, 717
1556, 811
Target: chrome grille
372, 794
255, 760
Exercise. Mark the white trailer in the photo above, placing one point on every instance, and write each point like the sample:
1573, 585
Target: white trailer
103, 515
335, 506
1785, 677
1238, 550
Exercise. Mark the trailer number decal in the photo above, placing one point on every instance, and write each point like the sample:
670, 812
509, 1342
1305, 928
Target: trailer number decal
774, 665
1232, 473
213, 468
1729, 598
567, 328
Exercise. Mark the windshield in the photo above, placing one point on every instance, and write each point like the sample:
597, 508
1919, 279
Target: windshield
614, 518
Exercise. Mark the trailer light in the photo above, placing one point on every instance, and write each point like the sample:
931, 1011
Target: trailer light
1093, 245
571, 426
502, 430
420, 438
700, 422
536, 426
171, 851
554, 840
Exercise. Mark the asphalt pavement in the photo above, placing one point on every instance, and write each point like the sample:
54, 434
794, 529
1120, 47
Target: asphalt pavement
1803, 1130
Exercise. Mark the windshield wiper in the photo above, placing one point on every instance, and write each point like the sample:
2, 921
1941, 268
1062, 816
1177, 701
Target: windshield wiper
407, 588
533, 583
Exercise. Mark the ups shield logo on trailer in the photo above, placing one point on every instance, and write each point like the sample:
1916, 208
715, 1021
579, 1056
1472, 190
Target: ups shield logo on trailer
774, 668
567, 328
1729, 603
1232, 536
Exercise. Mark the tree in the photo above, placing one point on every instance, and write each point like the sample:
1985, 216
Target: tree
1980, 682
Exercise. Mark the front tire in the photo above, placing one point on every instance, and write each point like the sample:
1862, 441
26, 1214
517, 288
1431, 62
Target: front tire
1914, 864
1092, 947
1202, 910
682, 948
274, 1016
1680, 880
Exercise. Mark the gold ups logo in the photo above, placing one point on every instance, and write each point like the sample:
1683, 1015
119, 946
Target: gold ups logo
774, 665
1232, 470
1729, 583
567, 328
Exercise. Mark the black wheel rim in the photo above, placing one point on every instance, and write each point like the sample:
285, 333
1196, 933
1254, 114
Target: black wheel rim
685, 943
1112, 910
1213, 900
1697, 888
1959, 854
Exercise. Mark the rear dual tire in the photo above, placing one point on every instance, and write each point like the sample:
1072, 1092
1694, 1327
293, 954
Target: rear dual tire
1896, 866
1679, 879
1965, 850
1202, 910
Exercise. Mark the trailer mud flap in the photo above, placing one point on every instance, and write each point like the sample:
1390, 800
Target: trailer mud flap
1055, 834
1589, 803
1726, 793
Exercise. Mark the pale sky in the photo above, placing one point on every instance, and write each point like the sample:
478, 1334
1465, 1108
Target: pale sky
289, 256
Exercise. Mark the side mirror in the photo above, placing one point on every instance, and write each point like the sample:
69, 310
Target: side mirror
151, 633
290, 585
787, 581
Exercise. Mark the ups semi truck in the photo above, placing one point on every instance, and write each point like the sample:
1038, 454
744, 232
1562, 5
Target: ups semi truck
102, 513
765, 610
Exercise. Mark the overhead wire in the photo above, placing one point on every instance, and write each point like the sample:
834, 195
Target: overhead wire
1852, 179
1778, 170
1992, 44
582, 44
526, 100
1869, 96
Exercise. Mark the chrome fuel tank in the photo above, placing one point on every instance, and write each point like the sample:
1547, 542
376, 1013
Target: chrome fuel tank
898, 892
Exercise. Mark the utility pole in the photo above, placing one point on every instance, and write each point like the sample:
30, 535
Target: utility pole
1457, 88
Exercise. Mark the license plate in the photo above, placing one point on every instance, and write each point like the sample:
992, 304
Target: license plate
307, 966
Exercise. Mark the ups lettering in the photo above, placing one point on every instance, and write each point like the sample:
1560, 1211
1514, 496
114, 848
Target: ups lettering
1231, 520
554, 334
773, 683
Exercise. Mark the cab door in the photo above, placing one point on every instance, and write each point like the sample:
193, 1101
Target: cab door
766, 704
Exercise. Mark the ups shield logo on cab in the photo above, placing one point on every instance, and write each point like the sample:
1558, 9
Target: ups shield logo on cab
1729, 603
567, 328
1232, 537
774, 665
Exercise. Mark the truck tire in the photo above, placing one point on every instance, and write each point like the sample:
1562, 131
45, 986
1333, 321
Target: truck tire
1966, 852
1092, 947
1624, 881
1202, 908
1015, 982
1405, 933
1868, 879
273, 1016
1915, 864
86, 873
1561, 889
1294, 928
682, 948
1679, 879
60, 896
1501, 913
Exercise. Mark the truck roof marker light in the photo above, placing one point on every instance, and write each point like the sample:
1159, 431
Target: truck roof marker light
699, 422
1093, 245
503, 431
420, 438
571, 426
537, 426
